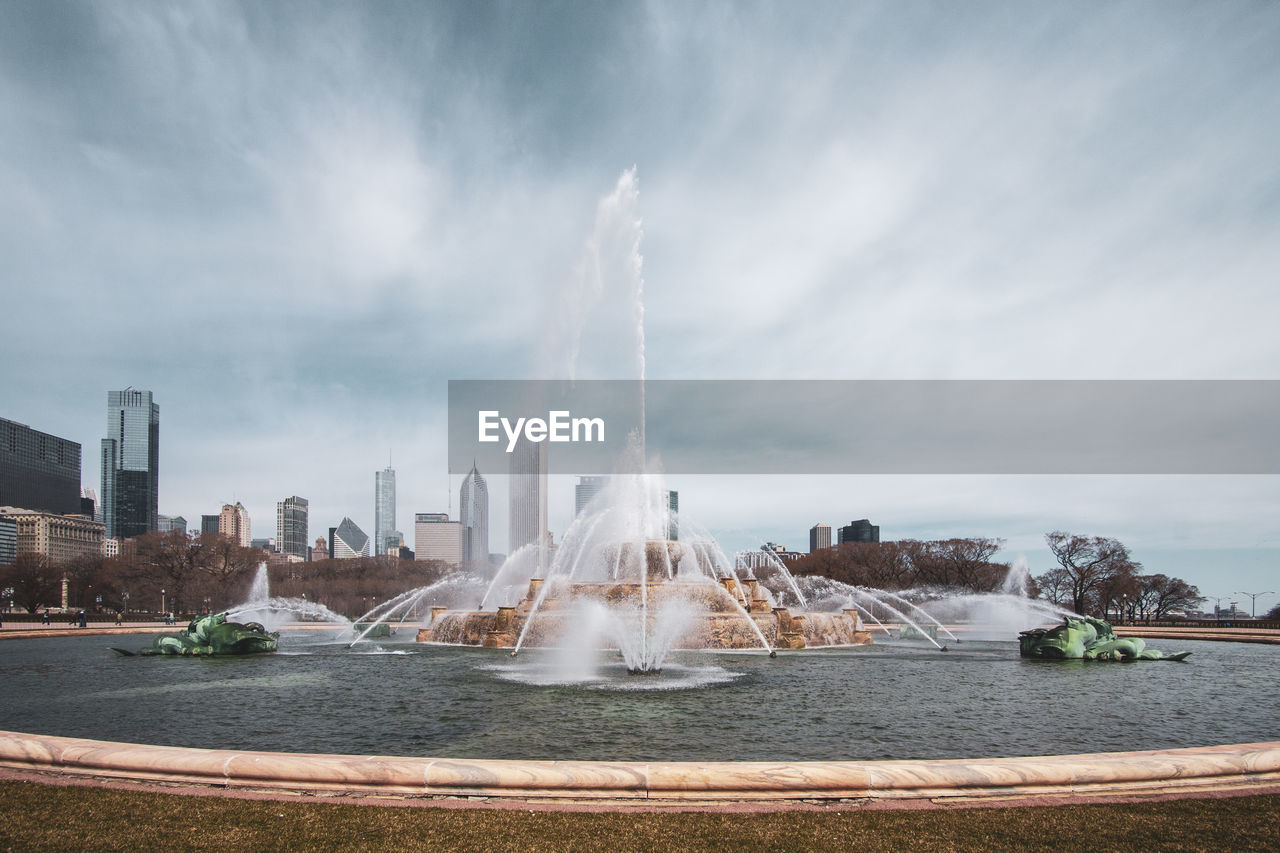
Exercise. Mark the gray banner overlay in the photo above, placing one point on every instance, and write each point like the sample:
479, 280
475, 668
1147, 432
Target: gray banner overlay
877, 426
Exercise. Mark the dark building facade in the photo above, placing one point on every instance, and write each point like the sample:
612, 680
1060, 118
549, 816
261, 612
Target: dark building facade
131, 464
861, 530
38, 471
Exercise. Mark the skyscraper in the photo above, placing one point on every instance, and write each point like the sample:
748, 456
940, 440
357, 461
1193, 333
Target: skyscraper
473, 512
348, 541
384, 511
291, 527
233, 523
586, 490
527, 519
819, 537
37, 470
131, 464
673, 514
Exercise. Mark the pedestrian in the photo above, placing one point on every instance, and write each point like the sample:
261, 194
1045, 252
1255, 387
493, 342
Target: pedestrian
44, 620
119, 617
84, 621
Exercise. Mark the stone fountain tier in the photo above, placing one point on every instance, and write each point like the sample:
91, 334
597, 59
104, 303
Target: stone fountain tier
719, 620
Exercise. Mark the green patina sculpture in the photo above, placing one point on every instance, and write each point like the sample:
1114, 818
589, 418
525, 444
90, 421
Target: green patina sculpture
214, 635
1086, 638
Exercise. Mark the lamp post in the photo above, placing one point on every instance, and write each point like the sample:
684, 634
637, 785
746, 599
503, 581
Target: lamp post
1253, 600
162, 610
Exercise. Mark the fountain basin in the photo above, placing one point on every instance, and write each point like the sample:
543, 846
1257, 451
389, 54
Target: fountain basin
726, 615
1238, 768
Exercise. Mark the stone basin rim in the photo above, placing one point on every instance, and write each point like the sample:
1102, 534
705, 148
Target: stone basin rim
1188, 771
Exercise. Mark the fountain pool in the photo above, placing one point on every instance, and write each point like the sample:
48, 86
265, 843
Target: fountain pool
888, 700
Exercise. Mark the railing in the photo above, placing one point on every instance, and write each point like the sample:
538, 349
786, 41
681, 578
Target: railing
1244, 622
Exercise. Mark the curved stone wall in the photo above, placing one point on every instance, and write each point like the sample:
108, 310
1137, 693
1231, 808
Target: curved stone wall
1240, 767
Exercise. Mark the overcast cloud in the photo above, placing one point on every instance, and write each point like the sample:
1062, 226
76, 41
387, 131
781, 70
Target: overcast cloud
294, 222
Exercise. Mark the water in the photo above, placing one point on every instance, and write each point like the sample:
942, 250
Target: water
890, 700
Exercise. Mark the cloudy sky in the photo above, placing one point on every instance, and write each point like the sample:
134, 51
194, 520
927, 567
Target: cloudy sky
294, 222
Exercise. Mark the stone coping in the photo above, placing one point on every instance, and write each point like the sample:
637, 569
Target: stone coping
1185, 772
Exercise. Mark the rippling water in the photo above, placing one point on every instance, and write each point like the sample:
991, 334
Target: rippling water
881, 701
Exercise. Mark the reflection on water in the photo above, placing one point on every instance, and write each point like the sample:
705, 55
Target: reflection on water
889, 700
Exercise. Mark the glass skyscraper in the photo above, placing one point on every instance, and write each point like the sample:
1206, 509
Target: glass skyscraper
291, 526
384, 510
131, 464
38, 470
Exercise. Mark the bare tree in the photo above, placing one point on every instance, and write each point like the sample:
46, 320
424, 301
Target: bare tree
1055, 585
35, 582
1159, 594
1091, 563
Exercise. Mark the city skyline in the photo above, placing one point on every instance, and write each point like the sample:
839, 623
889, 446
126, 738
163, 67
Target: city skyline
382, 201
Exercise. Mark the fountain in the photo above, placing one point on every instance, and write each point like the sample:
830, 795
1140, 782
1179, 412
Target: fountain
618, 582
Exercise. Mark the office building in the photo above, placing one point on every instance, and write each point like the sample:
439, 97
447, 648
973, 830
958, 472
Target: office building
233, 523
8, 540
861, 530
89, 505
320, 551
585, 492
61, 538
169, 523
435, 537
384, 511
672, 499
347, 541
208, 524
527, 516
131, 464
473, 514
292, 526
819, 537
38, 471
268, 544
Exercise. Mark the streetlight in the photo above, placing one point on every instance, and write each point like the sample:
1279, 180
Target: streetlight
1253, 600
162, 610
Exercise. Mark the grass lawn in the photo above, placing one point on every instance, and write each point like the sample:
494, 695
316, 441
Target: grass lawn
52, 817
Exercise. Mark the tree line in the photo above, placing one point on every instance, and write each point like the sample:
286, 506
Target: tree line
174, 571
909, 563
1096, 575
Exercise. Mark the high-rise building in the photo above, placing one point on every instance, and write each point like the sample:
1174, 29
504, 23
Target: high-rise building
320, 551
585, 491
819, 537
527, 519
861, 530
473, 514
89, 504
167, 523
291, 527
8, 540
131, 464
233, 523
673, 514
37, 470
348, 541
384, 510
208, 524
435, 537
